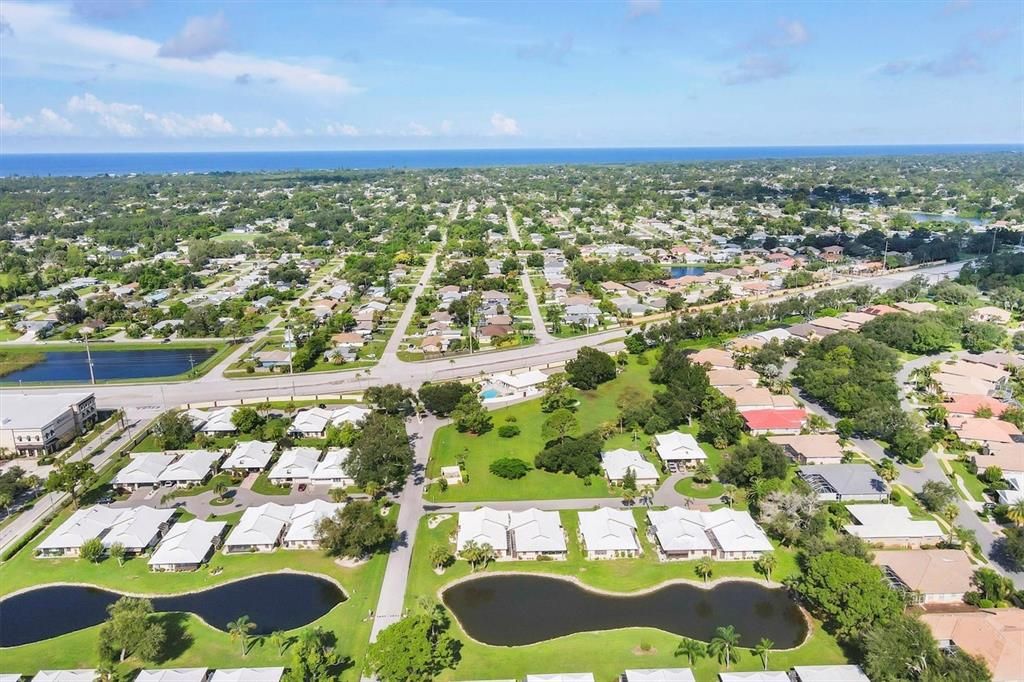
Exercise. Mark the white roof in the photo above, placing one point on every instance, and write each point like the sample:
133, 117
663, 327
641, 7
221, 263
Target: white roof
829, 673
137, 527
332, 466
305, 517
769, 334
80, 675
296, 463
677, 446
23, 411
523, 379
680, 530
260, 525
617, 462
248, 675
18, 677
756, 676
608, 530
483, 526
316, 419
888, 521
660, 675
193, 465
133, 527
219, 421
187, 543
561, 677
144, 469
537, 531
250, 454
173, 675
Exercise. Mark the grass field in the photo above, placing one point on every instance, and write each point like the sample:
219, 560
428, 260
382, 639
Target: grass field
595, 409
606, 654
973, 484
688, 487
198, 643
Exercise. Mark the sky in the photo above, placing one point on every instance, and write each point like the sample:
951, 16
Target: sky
146, 75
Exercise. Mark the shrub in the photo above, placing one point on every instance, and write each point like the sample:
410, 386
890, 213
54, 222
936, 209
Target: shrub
509, 467
508, 430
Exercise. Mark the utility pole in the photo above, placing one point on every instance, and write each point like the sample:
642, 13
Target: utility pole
885, 254
192, 364
88, 358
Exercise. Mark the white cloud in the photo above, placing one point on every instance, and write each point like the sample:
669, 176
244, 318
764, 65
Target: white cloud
50, 38
132, 120
279, 129
342, 130
10, 124
51, 121
447, 127
791, 32
504, 125
419, 130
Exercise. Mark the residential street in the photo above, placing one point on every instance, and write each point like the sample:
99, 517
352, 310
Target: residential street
539, 330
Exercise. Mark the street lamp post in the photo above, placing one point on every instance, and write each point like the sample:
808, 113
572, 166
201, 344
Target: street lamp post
88, 358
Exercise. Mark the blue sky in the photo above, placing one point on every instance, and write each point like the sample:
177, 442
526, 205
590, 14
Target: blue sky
143, 75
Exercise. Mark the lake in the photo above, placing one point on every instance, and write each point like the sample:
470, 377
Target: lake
277, 601
72, 366
686, 270
943, 218
515, 610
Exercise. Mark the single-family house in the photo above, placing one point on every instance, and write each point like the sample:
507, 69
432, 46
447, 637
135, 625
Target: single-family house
331, 469
854, 482
295, 465
781, 422
985, 431
617, 462
963, 406
994, 635
484, 526
733, 377
302, 524
523, 383
678, 450
928, 576
249, 456
714, 358
724, 534
259, 529
813, 448
534, 533
313, 422
891, 526
191, 468
609, 533
749, 398
992, 314
187, 545
219, 422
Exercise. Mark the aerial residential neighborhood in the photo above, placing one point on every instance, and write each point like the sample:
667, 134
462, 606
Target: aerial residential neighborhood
623, 341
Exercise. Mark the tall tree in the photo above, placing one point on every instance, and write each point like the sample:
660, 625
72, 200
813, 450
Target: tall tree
723, 645
590, 368
415, 649
313, 657
381, 452
130, 631
690, 648
73, 478
239, 630
355, 530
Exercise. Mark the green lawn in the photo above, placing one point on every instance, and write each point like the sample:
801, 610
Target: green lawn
263, 486
208, 647
606, 654
596, 408
972, 483
688, 487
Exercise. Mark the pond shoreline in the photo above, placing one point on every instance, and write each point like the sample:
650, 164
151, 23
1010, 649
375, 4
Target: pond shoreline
807, 619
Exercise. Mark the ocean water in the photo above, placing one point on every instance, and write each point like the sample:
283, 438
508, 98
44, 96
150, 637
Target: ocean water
238, 162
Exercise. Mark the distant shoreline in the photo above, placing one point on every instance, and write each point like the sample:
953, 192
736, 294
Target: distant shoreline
162, 163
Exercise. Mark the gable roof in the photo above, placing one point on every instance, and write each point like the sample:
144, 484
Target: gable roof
930, 571
607, 529
192, 465
677, 446
187, 543
483, 526
250, 454
996, 635
304, 518
617, 462
537, 531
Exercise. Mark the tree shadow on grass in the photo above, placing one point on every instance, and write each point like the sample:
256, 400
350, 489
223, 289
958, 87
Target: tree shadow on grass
177, 639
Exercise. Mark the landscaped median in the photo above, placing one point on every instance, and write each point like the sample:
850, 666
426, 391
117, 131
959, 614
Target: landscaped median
192, 642
604, 653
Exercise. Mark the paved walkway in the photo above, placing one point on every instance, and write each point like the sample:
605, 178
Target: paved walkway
539, 330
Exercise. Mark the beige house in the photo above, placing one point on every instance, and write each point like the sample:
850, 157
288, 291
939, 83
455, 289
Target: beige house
938, 576
994, 635
817, 448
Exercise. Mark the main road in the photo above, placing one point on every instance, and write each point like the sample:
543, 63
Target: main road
390, 369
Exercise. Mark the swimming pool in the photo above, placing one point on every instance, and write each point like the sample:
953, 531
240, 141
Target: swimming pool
490, 393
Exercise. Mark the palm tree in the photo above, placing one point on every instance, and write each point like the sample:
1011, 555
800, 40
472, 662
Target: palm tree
372, 488
766, 564
1016, 513
107, 672
647, 495
690, 648
705, 566
729, 494
439, 556
239, 629
724, 643
887, 470
219, 489
628, 496
6, 500
949, 514
280, 640
762, 649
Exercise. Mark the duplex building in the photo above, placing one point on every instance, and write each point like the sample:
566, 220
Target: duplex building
249, 457
187, 545
678, 450
724, 534
135, 528
295, 465
191, 467
523, 535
